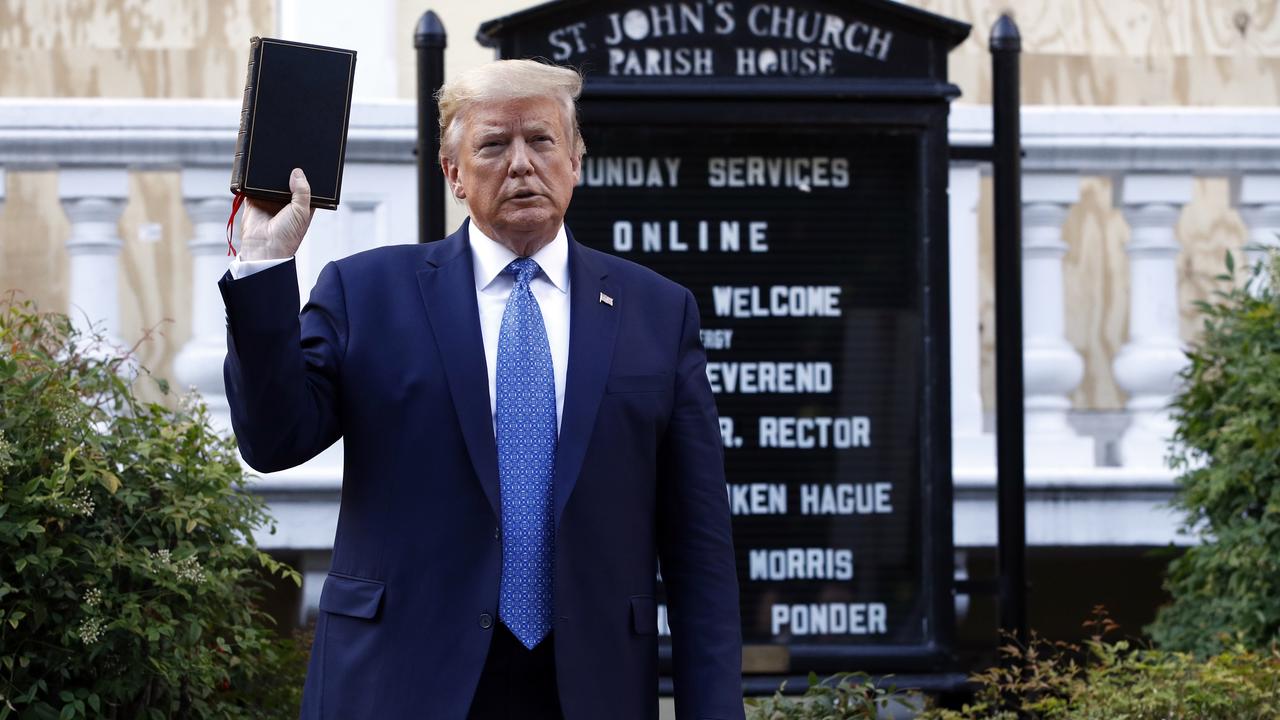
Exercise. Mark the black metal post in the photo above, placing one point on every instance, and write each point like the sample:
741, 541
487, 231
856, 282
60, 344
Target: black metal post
1006, 46
429, 40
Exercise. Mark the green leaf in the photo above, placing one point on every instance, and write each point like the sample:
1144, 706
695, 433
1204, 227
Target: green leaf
162, 469
110, 481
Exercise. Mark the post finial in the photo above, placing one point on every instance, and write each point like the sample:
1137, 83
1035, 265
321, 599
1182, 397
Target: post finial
1005, 35
430, 31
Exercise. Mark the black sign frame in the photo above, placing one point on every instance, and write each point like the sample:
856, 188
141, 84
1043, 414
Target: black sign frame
928, 122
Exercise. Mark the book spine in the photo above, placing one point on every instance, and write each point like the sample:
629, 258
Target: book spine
240, 164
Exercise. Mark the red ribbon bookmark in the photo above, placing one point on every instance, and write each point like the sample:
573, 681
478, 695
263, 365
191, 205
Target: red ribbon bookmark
235, 208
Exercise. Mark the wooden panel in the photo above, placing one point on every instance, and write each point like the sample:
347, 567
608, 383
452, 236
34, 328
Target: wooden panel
1096, 281
141, 48
132, 24
1127, 52
155, 273
33, 235
1138, 28
1207, 229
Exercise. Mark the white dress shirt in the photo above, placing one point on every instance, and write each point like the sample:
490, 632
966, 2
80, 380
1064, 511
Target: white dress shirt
493, 288
551, 290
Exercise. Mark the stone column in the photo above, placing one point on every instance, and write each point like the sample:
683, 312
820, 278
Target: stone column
1051, 366
199, 363
1147, 366
971, 447
1257, 197
93, 199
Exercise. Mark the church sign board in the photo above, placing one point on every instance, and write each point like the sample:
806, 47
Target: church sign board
787, 162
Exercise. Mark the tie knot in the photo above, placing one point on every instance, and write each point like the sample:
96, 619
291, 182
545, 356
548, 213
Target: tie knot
524, 269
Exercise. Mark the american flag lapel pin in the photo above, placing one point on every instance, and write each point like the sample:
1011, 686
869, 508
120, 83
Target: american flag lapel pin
606, 299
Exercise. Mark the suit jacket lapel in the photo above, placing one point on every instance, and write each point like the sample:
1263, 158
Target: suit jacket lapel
592, 328
448, 289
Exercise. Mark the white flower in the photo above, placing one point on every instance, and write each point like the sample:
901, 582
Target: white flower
187, 569
93, 597
82, 503
190, 400
6, 453
90, 630
64, 416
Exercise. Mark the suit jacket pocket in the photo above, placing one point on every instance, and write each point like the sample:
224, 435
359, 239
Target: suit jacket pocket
654, 382
351, 596
644, 615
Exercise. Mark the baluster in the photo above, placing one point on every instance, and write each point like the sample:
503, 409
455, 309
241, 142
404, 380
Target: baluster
1257, 197
93, 199
971, 447
199, 363
1051, 366
1147, 366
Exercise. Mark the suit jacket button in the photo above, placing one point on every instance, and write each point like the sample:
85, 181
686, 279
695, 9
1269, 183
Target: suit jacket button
486, 621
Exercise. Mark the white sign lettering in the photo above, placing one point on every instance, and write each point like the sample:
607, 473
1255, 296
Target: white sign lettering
776, 301
750, 378
829, 619
801, 173
629, 172
659, 236
800, 42
757, 498
800, 564
846, 499
807, 433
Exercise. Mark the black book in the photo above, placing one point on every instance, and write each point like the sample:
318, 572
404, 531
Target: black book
297, 103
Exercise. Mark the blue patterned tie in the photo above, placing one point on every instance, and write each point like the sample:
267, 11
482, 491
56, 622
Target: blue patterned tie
526, 435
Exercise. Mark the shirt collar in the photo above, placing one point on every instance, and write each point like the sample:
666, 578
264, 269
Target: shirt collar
490, 258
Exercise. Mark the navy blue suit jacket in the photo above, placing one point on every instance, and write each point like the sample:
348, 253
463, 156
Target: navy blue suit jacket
388, 354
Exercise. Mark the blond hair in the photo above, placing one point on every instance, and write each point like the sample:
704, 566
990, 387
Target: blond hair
504, 80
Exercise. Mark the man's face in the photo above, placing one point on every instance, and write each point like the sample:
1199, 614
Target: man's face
516, 168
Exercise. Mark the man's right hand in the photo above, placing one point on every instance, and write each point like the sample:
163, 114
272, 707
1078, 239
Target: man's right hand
274, 230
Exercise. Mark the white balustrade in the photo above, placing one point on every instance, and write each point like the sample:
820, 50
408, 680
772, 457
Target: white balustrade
1147, 366
1257, 197
1051, 366
199, 363
93, 199
971, 447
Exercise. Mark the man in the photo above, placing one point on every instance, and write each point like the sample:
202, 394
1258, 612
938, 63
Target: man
527, 425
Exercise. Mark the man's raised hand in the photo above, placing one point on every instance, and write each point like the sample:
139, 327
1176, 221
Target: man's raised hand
274, 230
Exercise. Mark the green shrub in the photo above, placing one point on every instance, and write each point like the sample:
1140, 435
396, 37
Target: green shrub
845, 696
129, 580
1226, 589
1116, 681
